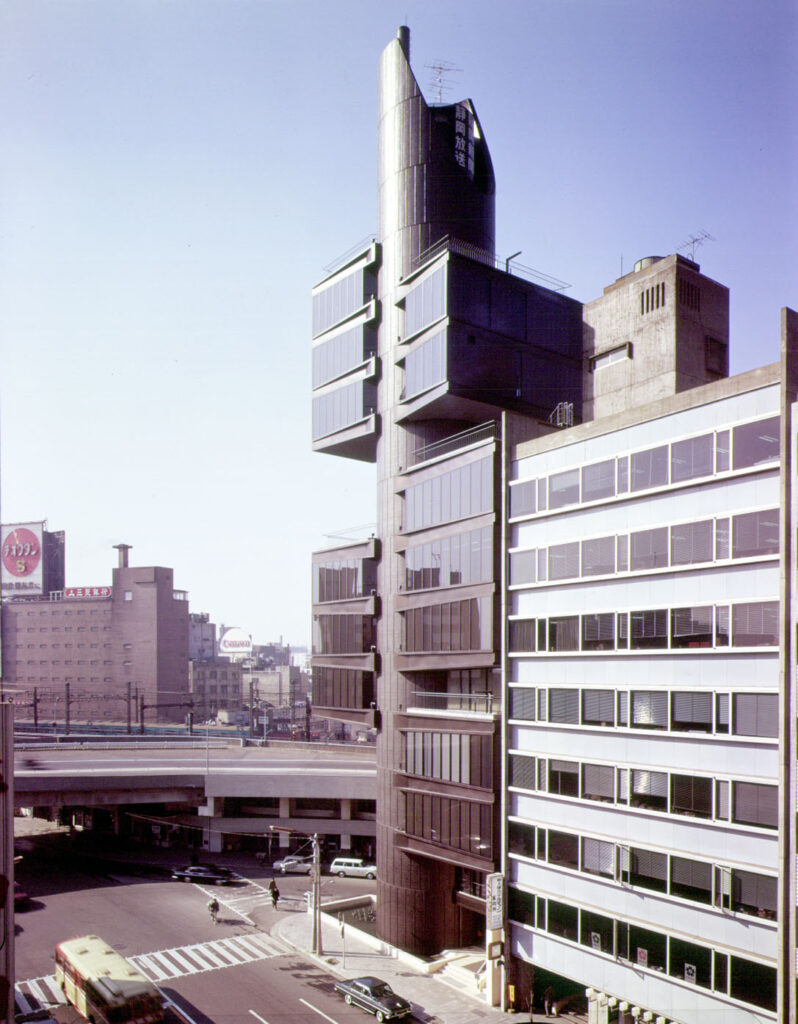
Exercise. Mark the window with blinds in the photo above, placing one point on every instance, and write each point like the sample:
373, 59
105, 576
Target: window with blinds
648, 549
522, 498
598, 556
598, 480
649, 468
649, 790
755, 533
598, 707
598, 782
521, 636
691, 627
564, 561
648, 869
564, 706
564, 633
598, 857
522, 771
691, 879
693, 457
691, 795
691, 712
523, 566
598, 632
755, 714
523, 704
650, 709
755, 804
753, 893
755, 625
648, 629
691, 543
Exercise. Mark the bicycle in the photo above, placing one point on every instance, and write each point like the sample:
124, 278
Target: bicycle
213, 910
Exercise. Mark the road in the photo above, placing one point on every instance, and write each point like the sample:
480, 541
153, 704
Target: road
229, 973
239, 759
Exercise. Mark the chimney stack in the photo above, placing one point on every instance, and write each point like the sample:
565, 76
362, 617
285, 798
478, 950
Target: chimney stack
123, 550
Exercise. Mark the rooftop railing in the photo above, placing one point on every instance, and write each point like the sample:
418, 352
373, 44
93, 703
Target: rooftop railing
483, 432
489, 259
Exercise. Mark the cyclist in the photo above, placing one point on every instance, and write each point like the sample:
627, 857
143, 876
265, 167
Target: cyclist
213, 909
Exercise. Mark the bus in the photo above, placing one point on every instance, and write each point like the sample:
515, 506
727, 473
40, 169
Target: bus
104, 986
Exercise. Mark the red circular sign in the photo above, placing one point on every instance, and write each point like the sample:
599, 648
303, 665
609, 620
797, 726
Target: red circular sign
21, 552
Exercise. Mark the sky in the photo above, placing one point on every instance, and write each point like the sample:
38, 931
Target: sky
176, 174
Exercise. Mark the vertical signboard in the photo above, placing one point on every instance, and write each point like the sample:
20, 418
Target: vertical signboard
494, 886
21, 560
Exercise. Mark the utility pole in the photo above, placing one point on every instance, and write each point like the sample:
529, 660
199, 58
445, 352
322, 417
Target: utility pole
35, 708
66, 710
316, 896
129, 716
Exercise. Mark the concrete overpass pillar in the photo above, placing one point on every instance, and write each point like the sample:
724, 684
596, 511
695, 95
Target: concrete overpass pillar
285, 814
345, 839
212, 840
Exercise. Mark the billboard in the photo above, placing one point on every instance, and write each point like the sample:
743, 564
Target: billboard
235, 643
21, 562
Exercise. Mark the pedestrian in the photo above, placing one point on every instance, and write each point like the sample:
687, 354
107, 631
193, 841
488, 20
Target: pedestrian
274, 892
548, 1001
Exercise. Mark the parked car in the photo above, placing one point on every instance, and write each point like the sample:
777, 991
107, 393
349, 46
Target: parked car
203, 873
375, 996
294, 864
354, 867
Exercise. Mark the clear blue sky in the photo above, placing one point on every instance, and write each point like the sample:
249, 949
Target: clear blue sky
175, 175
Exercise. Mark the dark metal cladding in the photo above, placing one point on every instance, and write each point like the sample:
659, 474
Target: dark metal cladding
434, 168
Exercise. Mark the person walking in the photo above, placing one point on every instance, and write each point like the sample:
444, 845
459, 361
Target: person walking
274, 892
548, 1001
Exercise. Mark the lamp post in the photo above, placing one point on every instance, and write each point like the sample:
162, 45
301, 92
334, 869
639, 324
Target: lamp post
316, 896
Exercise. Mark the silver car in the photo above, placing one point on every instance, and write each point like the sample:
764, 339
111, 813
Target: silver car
294, 865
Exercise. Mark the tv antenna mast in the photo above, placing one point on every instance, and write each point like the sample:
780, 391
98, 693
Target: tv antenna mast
440, 69
693, 242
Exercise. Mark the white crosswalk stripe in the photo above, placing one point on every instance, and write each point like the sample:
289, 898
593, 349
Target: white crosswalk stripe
37, 994
40, 993
206, 956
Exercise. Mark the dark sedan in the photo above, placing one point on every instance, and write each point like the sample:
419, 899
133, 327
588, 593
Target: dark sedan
375, 996
203, 873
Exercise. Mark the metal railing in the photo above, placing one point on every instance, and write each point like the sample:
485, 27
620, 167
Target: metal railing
489, 259
483, 432
482, 703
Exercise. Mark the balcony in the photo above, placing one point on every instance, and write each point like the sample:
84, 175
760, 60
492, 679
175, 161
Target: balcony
485, 703
474, 435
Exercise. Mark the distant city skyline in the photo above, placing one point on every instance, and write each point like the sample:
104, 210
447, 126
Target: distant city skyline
177, 176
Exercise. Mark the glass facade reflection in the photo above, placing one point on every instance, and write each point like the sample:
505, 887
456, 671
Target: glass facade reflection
451, 561
344, 579
465, 491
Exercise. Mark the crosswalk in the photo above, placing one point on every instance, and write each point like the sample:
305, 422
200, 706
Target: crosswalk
163, 965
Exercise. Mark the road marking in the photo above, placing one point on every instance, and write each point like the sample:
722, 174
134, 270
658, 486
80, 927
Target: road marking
321, 1013
163, 965
261, 1019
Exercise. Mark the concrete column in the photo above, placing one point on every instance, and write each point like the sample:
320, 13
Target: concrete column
211, 839
285, 814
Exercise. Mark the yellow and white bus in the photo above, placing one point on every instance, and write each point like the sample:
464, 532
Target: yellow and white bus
104, 986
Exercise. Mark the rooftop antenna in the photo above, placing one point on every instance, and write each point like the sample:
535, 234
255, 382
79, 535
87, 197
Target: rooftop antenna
693, 242
440, 69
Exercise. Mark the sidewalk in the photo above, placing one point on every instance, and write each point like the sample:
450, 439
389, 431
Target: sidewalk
434, 1000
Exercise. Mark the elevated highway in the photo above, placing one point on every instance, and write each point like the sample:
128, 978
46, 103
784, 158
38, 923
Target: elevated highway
223, 791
